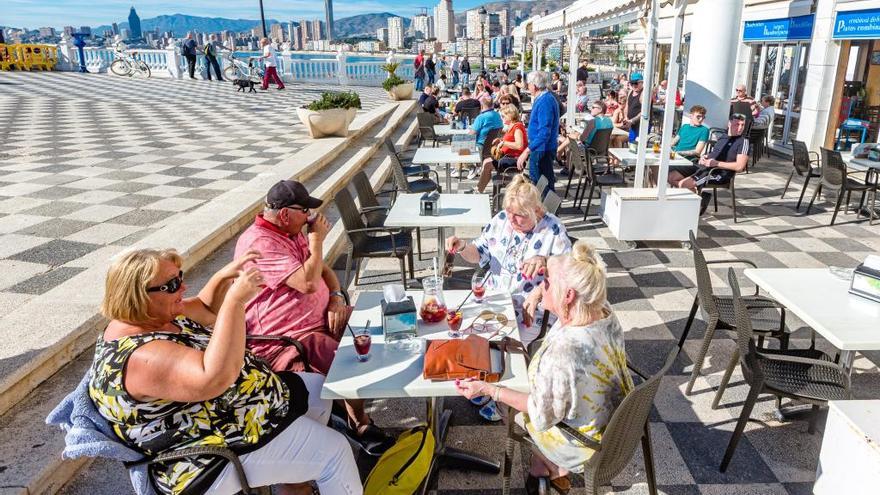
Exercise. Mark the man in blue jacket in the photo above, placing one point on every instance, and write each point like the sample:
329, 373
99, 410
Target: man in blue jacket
543, 131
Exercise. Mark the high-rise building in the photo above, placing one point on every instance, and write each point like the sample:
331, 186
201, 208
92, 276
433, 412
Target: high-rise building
115, 28
444, 21
319, 30
504, 21
328, 18
69, 30
395, 32
47, 32
276, 33
423, 26
296, 38
492, 25
289, 31
472, 21
134, 25
125, 33
382, 35
305, 30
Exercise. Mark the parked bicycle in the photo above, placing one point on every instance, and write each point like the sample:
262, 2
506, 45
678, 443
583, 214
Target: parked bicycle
125, 63
237, 69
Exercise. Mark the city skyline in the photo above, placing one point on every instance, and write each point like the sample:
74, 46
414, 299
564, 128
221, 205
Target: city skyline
33, 14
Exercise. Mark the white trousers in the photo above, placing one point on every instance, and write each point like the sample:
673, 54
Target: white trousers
306, 450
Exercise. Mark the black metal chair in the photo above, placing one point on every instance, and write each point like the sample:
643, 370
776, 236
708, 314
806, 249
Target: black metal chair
814, 381
836, 179
717, 311
802, 165
627, 429
730, 187
372, 212
369, 242
402, 184
407, 169
600, 143
551, 201
596, 179
426, 130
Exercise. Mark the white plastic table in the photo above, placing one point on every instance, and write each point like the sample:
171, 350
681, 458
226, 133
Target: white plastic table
445, 155
849, 322
392, 372
849, 461
447, 130
456, 210
859, 164
628, 158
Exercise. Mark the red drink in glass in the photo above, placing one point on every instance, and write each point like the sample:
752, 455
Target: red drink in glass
432, 310
454, 322
362, 343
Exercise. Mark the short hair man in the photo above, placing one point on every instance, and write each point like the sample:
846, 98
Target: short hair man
633, 111
543, 131
692, 137
465, 102
767, 114
729, 156
302, 298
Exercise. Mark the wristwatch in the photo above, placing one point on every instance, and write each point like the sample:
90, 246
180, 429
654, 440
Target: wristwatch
338, 293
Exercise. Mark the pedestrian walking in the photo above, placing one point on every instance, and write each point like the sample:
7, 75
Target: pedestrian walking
188, 49
211, 49
466, 72
270, 60
431, 68
419, 65
456, 71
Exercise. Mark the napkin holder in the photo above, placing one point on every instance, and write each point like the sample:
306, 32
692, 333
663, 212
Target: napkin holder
399, 319
430, 204
463, 144
866, 283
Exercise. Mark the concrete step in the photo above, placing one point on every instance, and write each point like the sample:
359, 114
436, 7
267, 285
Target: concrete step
67, 315
30, 460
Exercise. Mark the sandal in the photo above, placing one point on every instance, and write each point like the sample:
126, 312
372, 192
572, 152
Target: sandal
535, 485
370, 438
481, 400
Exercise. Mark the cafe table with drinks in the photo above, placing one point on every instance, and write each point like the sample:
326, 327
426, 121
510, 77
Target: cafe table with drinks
383, 355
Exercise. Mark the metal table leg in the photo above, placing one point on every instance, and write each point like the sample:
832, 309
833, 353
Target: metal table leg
448, 178
438, 420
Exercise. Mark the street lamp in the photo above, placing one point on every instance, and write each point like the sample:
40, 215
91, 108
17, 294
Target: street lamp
484, 16
263, 19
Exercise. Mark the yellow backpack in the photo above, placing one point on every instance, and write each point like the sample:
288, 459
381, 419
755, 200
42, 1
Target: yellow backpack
403, 467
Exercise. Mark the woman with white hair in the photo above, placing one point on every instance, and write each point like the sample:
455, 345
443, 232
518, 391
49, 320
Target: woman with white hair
578, 375
514, 248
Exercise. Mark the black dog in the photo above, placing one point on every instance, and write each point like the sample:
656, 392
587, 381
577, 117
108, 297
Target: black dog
244, 83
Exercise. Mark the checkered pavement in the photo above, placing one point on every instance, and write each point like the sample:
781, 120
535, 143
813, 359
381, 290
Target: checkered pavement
92, 163
651, 287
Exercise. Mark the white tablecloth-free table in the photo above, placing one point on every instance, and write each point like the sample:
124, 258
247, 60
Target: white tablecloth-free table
392, 373
629, 159
860, 164
820, 298
444, 155
456, 210
447, 130
849, 461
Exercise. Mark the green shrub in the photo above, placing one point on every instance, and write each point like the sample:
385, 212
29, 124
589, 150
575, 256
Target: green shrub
334, 99
393, 79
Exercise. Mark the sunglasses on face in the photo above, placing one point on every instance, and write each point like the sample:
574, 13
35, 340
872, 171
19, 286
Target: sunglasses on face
299, 208
170, 286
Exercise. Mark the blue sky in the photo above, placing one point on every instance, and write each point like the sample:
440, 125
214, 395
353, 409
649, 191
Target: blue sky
58, 13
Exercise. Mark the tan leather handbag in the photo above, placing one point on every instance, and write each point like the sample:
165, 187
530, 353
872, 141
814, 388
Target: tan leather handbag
469, 357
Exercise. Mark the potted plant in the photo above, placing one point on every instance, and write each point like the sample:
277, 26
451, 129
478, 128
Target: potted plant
331, 115
397, 88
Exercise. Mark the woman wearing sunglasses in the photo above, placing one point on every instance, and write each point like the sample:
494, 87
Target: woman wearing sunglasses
172, 372
578, 375
514, 248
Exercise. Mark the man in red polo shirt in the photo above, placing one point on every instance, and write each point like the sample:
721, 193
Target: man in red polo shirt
302, 298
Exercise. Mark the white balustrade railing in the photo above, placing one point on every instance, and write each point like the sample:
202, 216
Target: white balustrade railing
335, 69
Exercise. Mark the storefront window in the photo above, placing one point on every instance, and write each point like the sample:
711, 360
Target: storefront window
769, 69
799, 92
755, 70
783, 90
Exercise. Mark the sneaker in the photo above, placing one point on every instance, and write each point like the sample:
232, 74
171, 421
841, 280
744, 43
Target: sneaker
489, 412
454, 173
481, 400
705, 198
472, 174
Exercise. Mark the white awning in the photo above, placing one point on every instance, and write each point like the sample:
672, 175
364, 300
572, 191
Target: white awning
664, 32
585, 15
759, 10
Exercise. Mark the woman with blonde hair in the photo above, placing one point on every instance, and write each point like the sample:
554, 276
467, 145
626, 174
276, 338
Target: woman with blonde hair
512, 144
513, 249
579, 373
171, 372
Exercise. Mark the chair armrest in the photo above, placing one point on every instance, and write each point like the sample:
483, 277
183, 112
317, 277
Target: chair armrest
368, 209
732, 261
802, 360
580, 437
388, 191
225, 453
811, 154
389, 231
436, 177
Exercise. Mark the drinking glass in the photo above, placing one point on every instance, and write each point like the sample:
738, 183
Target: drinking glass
453, 319
478, 284
362, 341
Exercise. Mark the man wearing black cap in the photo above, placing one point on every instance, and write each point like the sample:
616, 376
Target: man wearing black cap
728, 157
302, 298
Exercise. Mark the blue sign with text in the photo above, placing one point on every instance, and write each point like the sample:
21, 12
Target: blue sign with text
858, 24
787, 29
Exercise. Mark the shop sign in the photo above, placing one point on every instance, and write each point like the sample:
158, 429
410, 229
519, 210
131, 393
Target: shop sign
786, 29
858, 24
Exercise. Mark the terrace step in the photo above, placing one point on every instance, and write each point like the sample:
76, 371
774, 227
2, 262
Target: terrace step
30, 460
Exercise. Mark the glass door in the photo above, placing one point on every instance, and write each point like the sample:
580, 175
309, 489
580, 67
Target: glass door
799, 77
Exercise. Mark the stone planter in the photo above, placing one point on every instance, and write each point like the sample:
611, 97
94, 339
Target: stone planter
323, 123
402, 91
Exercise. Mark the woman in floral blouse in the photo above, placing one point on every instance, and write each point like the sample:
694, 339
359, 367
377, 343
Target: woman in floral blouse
578, 375
165, 381
514, 248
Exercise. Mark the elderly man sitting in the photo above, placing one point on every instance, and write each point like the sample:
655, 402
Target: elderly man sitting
301, 298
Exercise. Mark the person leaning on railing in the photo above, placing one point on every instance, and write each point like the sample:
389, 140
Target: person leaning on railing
577, 376
171, 372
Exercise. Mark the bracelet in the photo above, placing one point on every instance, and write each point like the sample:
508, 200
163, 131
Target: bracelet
497, 395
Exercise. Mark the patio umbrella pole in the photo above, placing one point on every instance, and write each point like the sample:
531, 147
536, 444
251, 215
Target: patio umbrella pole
647, 85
